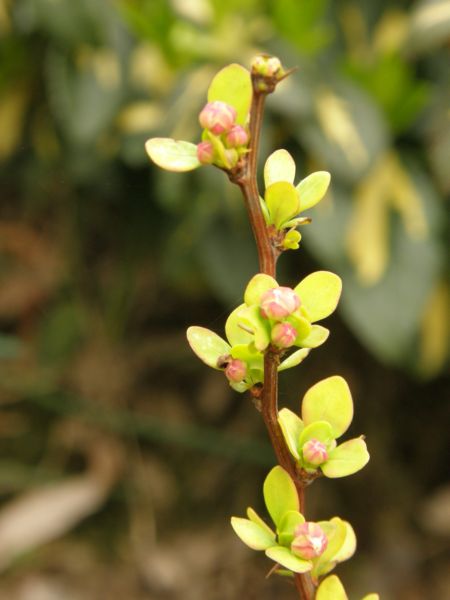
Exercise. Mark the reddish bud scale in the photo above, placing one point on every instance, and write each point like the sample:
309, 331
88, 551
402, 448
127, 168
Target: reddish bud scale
278, 303
218, 117
309, 540
284, 335
315, 452
236, 370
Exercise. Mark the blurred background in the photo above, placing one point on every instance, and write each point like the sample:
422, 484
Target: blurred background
121, 456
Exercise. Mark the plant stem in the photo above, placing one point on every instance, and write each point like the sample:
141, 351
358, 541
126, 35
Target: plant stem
267, 255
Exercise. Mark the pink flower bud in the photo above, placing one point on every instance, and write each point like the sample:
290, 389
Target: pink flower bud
315, 452
309, 540
218, 117
284, 335
237, 136
236, 370
205, 153
279, 303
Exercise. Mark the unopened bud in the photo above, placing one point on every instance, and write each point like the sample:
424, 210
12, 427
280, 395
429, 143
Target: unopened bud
278, 303
309, 540
284, 335
205, 153
236, 370
218, 117
315, 452
266, 66
237, 136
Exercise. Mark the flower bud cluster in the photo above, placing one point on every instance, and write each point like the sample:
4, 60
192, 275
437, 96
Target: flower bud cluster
227, 141
277, 304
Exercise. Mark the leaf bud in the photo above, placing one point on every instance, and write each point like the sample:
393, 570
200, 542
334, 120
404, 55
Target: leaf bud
218, 117
205, 153
284, 335
236, 370
237, 136
266, 66
278, 303
309, 540
315, 452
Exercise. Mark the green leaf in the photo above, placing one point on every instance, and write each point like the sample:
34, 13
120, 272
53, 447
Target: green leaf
347, 549
301, 325
280, 494
346, 459
234, 332
294, 359
285, 558
312, 189
252, 534
207, 345
287, 527
253, 516
282, 201
319, 292
173, 155
319, 430
257, 286
317, 336
329, 400
331, 589
233, 85
280, 166
291, 426
249, 355
336, 532
292, 239
371, 597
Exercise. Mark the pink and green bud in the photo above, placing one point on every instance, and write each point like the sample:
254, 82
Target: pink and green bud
237, 136
278, 303
236, 370
309, 541
205, 153
284, 335
218, 117
315, 452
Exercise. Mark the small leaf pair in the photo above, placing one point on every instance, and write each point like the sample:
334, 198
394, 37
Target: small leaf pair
283, 201
295, 545
327, 411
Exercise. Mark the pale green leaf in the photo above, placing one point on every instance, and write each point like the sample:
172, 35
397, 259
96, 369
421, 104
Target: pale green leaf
233, 85
316, 337
249, 355
207, 345
336, 532
253, 516
331, 589
312, 189
252, 534
280, 494
172, 155
294, 359
280, 166
282, 201
319, 292
285, 558
346, 459
329, 400
287, 527
371, 597
319, 430
233, 330
257, 286
301, 325
291, 426
348, 548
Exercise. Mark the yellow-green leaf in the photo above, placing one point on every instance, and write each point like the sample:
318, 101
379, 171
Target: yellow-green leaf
312, 189
331, 589
294, 359
173, 155
252, 534
256, 287
346, 459
280, 166
316, 337
233, 85
329, 400
319, 293
291, 426
207, 345
280, 494
282, 201
285, 558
